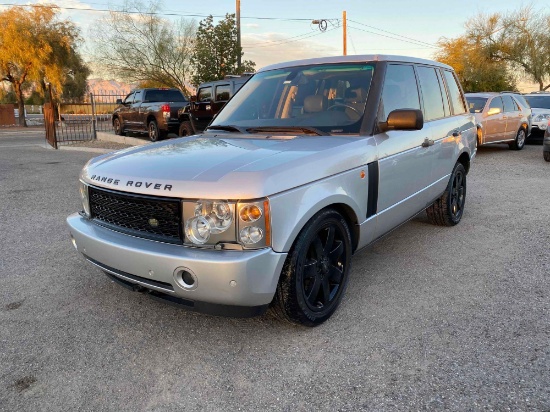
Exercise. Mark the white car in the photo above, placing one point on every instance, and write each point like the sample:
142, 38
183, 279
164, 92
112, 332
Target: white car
540, 106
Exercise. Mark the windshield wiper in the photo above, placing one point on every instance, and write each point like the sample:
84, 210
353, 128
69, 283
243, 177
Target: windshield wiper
287, 129
227, 128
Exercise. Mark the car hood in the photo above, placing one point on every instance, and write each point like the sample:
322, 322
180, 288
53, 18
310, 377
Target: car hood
227, 166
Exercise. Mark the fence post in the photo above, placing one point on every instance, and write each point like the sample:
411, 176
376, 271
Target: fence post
94, 131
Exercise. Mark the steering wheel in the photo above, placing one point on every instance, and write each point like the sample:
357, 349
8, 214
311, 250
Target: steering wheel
344, 105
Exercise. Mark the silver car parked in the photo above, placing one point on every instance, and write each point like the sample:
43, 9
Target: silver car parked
308, 163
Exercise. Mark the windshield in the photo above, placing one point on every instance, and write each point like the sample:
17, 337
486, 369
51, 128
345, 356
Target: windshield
329, 98
540, 102
476, 104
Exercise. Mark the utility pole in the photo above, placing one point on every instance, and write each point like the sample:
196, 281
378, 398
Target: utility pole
344, 25
239, 35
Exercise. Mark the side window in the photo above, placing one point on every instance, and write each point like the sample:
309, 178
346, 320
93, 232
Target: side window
496, 103
138, 97
457, 102
129, 99
400, 90
222, 93
445, 95
509, 104
205, 94
431, 93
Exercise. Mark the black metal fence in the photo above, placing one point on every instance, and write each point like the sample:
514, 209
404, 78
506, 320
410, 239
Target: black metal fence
80, 122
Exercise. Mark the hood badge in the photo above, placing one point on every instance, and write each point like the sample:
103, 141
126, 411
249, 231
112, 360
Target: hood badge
153, 222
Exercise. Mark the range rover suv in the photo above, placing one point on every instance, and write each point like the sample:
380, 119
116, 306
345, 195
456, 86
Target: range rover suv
307, 164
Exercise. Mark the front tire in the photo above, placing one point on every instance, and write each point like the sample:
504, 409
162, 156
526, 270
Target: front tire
117, 126
315, 273
546, 156
519, 143
448, 209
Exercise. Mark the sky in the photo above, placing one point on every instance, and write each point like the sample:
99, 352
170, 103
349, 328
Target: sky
280, 30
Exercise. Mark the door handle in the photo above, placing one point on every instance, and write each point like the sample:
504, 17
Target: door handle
456, 133
427, 142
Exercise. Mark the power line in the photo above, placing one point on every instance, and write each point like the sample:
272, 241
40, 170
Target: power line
417, 43
289, 41
389, 32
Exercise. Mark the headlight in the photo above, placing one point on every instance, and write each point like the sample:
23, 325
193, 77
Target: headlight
85, 199
541, 117
209, 218
218, 222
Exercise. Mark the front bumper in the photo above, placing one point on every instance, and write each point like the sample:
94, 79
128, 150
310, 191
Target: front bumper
226, 282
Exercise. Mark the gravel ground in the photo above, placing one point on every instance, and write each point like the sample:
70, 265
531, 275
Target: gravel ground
433, 319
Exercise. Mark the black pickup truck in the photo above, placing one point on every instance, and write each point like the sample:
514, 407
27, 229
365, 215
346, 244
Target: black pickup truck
210, 98
151, 111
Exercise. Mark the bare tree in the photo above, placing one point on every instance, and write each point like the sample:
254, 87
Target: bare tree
137, 45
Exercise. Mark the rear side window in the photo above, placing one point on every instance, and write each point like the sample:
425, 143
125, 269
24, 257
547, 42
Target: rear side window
457, 103
431, 93
205, 94
509, 104
476, 104
400, 90
222, 93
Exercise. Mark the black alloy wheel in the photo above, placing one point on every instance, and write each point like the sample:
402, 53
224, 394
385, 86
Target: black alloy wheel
448, 209
458, 195
316, 271
153, 131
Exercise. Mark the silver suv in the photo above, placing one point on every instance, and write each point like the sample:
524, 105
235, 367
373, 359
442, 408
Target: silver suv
307, 164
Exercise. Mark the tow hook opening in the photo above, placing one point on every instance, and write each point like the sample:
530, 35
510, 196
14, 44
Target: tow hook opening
185, 278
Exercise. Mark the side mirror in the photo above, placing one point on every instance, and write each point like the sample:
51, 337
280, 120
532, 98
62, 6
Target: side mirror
193, 98
494, 110
118, 101
403, 119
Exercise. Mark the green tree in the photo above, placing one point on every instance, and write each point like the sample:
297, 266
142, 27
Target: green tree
476, 70
216, 51
75, 85
34, 45
142, 47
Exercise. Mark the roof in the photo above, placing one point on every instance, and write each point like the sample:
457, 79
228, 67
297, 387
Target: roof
354, 59
482, 94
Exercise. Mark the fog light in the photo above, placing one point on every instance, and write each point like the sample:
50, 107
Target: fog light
251, 234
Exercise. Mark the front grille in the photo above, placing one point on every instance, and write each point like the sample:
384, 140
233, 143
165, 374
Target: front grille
150, 217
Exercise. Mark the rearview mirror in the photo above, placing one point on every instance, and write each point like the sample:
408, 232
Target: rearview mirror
118, 101
494, 110
403, 119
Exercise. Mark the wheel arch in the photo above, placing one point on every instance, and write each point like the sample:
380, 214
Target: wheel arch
151, 117
464, 159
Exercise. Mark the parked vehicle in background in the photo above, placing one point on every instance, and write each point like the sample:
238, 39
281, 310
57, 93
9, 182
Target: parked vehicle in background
308, 163
151, 111
540, 105
546, 145
208, 101
500, 119
525, 107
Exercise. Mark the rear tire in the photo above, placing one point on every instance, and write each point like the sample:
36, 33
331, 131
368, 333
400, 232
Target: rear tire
315, 273
153, 131
519, 143
546, 156
185, 129
448, 209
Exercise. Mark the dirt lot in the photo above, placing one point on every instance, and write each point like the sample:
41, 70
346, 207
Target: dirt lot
434, 318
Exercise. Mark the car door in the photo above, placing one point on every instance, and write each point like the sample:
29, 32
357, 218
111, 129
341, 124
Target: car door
512, 115
124, 112
405, 161
202, 108
134, 114
495, 123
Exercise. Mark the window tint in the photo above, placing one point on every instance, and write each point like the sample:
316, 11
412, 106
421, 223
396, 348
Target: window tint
165, 95
431, 93
222, 93
509, 104
205, 94
400, 90
454, 93
138, 97
445, 95
496, 103
541, 102
129, 99
476, 104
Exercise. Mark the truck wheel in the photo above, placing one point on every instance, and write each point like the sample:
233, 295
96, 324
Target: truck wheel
520, 140
448, 209
117, 126
315, 272
154, 132
186, 129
